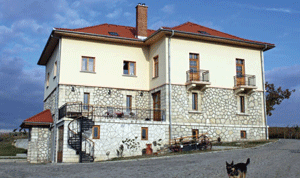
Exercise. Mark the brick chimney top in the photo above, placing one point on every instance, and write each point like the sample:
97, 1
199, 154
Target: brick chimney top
141, 21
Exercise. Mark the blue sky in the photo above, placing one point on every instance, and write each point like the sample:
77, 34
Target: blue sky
25, 26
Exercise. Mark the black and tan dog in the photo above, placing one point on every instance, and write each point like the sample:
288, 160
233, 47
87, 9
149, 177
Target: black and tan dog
238, 170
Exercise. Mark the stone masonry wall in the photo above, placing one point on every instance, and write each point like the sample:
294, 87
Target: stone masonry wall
38, 146
101, 96
217, 114
49, 103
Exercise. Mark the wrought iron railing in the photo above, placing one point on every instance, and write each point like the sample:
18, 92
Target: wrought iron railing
197, 75
246, 80
73, 110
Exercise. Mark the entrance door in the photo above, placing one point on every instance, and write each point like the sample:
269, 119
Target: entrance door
194, 67
156, 106
60, 144
240, 72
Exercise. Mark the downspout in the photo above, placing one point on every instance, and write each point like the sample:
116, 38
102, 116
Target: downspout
56, 102
264, 88
169, 69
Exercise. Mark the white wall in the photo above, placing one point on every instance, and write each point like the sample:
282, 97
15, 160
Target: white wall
158, 49
219, 59
50, 69
108, 64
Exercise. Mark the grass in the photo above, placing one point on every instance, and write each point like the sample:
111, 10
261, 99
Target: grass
245, 144
6, 147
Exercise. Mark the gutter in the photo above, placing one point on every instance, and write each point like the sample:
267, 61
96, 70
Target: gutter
264, 89
169, 69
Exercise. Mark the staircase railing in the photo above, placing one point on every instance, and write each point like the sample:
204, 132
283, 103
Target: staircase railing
84, 145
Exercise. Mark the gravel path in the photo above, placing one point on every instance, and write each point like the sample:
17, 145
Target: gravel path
280, 159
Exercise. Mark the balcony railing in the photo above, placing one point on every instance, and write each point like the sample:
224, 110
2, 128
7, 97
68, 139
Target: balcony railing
197, 75
244, 80
73, 110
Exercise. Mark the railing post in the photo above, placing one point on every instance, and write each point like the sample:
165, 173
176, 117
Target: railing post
80, 138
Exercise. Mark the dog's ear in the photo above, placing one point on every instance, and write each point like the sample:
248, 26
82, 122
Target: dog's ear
232, 163
227, 163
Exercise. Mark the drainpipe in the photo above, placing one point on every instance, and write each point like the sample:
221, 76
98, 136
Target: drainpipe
264, 90
169, 67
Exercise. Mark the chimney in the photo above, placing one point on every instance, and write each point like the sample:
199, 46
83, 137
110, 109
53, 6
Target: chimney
141, 21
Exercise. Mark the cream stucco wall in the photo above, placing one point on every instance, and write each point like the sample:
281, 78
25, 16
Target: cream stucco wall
50, 69
158, 49
109, 59
219, 59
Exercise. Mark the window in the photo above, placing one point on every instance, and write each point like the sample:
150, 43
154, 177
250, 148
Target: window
195, 133
55, 69
243, 134
48, 76
155, 60
144, 133
96, 132
242, 104
86, 101
88, 64
128, 103
128, 68
195, 101
113, 33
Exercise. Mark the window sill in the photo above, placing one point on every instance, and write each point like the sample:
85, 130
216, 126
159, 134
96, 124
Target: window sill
126, 75
154, 78
88, 72
242, 114
195, 112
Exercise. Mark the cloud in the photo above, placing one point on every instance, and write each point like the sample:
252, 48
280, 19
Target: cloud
29, 9
287, 77
282, 10
160, 23
21, 91
170, 8
114, 14
67, 16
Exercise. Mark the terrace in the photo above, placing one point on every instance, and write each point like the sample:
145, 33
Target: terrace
77, 109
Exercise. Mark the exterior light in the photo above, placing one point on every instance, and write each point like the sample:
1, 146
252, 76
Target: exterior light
109, 92
73, 89
141, 93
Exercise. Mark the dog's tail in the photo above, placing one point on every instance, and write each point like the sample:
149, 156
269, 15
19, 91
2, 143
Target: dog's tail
248, 161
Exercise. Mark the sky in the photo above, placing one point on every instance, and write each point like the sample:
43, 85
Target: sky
25, 26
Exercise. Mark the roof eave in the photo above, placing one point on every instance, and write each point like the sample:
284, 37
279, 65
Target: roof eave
263, 46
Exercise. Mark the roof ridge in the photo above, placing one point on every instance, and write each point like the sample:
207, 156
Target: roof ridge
218, 31
101, 25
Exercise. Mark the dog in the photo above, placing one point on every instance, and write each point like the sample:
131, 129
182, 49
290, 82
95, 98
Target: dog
238, 170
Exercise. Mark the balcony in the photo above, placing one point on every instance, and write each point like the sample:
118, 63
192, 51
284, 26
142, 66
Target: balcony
197, 79
78, 109
244, 84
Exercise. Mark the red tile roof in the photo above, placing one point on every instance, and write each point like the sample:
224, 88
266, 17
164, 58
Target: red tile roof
103, 29
195, 28
42, 117
129, 32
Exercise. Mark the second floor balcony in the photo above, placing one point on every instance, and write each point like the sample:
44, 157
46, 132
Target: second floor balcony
245, 84
197, 79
